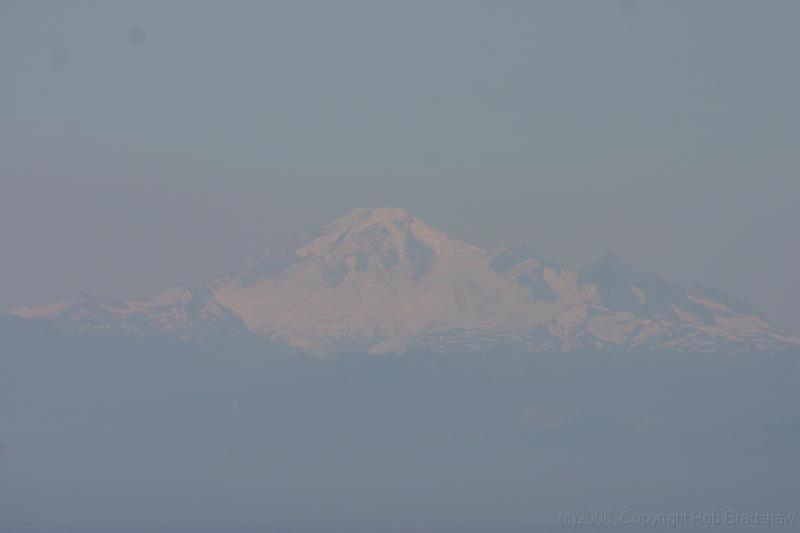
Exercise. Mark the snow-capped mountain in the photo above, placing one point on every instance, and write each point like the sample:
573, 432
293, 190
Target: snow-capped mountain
383, 281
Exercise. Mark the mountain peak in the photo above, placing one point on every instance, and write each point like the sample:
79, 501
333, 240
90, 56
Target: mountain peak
364, 242
371, 228
386, 215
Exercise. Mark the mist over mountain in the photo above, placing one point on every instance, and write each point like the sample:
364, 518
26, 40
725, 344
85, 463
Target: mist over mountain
155, 434
460, 390
382, 281
523, 390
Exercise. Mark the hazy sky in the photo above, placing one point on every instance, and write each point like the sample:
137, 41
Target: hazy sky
144, 144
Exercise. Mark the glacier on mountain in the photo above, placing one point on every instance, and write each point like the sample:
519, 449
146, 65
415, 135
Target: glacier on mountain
383, 281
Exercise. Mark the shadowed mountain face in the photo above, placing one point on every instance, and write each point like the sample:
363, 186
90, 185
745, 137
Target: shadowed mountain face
381, 280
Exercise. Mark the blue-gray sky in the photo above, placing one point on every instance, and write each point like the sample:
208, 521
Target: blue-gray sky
144, 144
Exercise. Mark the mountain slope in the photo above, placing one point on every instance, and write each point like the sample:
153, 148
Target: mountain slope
381, 280
186, 313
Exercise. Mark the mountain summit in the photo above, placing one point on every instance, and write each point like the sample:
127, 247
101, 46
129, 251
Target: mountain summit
383, 281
